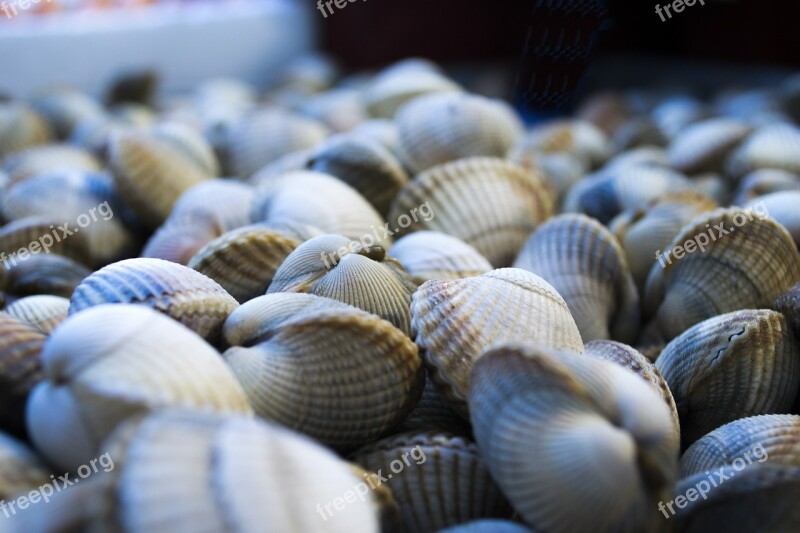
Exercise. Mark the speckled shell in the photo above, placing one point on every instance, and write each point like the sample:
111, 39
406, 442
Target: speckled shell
774, 146
48, 158
752, 440
705, 146
784, 207
430, 255
457, 320
44, 274
335, 207
43, 311
582, 260
64, 108
746, 268
244, 261
20, 370
600, 434
179, 292
441, 480
111, 362
788, 303
334, 372
731, 366
765, 181
440, 128
336, 267
20, 470
628, 357
365, 165
577, 137
151, 172
263, 136
491, 204
20, 127
395, 87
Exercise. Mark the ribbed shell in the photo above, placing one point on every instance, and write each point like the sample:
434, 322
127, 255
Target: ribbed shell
175, 290
765, 181
731, 366
430, 255
788, 303
704, 146
334, 207
491, 204
747, 268
456, 320
638, 132
562, 169
112, 362
394, 87
433, 414
334, 372
577, 137
756, 439
44, 274
440, 128
48, 158
774, 146
20, 471
437, 479
365, 165
21, 234
191, 143
583, 261
20, 127
552, 424
44, 311
784, 207
365, 278
20, 369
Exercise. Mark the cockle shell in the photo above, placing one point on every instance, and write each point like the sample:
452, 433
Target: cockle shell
607, 110
335, 207
394, 87
44, 274
310, 73
731, 366
365, 165
334, 372
577, 137
433, 414
747, 263
582, 260
340, 109
48, 158
705, 146
674, 114
382, 131
176, 471
20, 127
362, 276
457, 320
638, 132
437, 479
43, 311
765, 181
20, 471
151, 172
600, 434
430, 255
640, 365
788, 303
649, 156
440, 128
491, 204
64, 108
111, 362
189, 142
562, 169
291, 162
36, 236
179, 292
265, 135
784, 207
244, 261
20, 369
751, 440
772, 146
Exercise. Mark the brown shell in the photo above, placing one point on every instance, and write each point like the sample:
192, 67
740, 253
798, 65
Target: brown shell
48, 158
20, 369
20, 127
44, 311
579, 138
44, 274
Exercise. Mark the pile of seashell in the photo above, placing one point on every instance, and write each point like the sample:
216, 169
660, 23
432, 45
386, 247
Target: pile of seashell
384, 304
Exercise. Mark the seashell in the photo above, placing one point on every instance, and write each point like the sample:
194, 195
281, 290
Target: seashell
190, 143
43, 311
365, 165
20, 127
394, 87
601, 435
20, 370
487, 526
111, 362
579, 138
638, 132
64, 108
675, 114
382, 131
263, 136
48, 158
649, 156
20, 470
354, 273
643, 233
758, 498
438, 480
44, 274
340, 109
731, 366
788, 303
456, 320
705, 146
334, 372
765, 181
179, 292
562, 169
782, 207
713, 185
582, 260
152, 172
606, 110
605, 194
747, 441
491, 204
439, 128
311, 72
335, 207
430, 255
747, 266
433, 414
244, 261
24, 239
773, 146
291, 162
